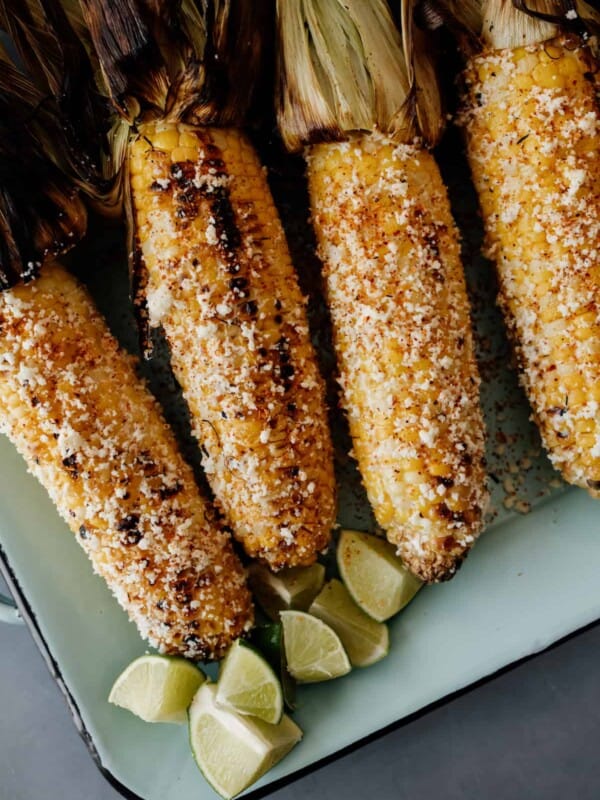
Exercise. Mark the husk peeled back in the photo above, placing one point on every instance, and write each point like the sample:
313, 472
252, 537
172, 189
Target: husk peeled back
512, 23
509, 25
195, 61
63, 105
54, 138
517, 23
465, 13
422, 75
41, 212
343, 66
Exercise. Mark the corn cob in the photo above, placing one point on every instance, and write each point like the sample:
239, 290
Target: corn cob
219, 280
95, 438
212, 266
532, 124
397, 297
393, 276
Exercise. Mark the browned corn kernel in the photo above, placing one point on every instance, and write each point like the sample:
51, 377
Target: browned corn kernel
400, 313
533, 136
94, 436
220, 282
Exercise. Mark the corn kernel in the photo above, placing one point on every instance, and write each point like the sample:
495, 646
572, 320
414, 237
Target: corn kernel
587, 440
569, 66
440, 470
548, 77
595, 391
577, 396
164, 139
139, 183
411, 435
179, 154
523, 81
549, 313
188, 139
572, 380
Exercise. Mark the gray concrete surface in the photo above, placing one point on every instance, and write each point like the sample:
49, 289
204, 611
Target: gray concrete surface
532, 733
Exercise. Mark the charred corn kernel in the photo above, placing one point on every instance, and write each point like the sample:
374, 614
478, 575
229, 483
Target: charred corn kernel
90, 431
408, 297
552, 187
219, 280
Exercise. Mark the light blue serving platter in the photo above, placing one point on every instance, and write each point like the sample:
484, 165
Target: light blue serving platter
531, 580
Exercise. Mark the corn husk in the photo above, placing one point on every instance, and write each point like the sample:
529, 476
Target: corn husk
62, 103
41, 213
517, 23
194, 61
467, 14
422, 76
512, 23
509, 25
58, 136
344, 66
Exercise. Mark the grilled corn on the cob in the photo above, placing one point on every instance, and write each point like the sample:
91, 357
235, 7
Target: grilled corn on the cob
398, 302
532, 123
220, 282
93, 435
214, 270
393, 277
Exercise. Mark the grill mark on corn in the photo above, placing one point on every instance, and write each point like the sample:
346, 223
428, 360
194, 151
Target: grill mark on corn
532, 123
229, 240
222, 286
139, 283
97, 441
401, 324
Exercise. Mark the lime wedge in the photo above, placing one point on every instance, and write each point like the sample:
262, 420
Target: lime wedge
157, 688
295, 587
233, 751
248, 685
374, 575
365, 640
313, 650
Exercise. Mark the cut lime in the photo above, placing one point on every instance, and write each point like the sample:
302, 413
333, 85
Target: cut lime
157, 688
374, 575
231, 750
295, 587
365, 640
248, 685
313, 650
